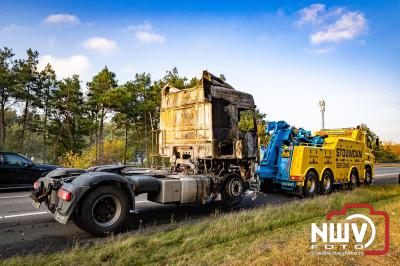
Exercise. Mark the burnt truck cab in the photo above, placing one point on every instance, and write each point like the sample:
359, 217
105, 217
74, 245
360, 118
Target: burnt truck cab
209, 134
205, 129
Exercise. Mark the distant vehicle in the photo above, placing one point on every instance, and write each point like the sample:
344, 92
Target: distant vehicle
17, 171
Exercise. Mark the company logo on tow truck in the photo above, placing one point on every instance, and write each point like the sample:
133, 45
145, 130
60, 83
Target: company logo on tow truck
348, 153
352, 234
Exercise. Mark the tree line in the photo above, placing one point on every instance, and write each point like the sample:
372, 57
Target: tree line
386, 151
46, 117
53, 119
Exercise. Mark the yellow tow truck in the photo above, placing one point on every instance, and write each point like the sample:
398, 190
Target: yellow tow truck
300, 162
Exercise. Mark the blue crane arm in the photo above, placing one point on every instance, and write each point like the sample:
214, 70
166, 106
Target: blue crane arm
281, 133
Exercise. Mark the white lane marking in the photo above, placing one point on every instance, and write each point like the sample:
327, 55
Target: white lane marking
14, 197
390, 171
4, 188
23, 214
391, 174
43, 212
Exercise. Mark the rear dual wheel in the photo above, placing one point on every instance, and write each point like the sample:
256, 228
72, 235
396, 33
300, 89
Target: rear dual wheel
354, 180
103, 211
310, 188
368, 177
232, 190
326, 184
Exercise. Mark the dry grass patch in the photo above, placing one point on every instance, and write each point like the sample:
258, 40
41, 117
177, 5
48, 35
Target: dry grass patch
269, 235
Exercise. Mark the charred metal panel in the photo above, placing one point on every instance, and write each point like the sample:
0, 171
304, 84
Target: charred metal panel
223, 116
202, 122
185, 124
239, 99
251, 144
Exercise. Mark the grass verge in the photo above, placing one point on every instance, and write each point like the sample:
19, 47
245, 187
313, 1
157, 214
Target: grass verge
277, 235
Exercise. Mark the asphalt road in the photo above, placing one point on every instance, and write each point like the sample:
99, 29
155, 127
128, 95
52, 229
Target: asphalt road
26, 230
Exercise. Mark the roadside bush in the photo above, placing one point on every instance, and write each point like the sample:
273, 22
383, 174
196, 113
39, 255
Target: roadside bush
389, 152
77, 161
113, 153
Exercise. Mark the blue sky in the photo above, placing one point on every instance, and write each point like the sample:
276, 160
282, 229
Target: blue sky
288, 54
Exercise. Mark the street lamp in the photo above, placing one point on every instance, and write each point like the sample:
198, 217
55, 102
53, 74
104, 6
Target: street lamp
322, 108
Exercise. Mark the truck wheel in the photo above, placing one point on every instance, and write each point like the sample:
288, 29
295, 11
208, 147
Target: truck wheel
354, 181
75, 219
368, 177
232, 190
326, 185
310, 187
104, 211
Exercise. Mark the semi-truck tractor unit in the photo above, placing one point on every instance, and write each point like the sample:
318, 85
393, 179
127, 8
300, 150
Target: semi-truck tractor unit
302, 163
211, 156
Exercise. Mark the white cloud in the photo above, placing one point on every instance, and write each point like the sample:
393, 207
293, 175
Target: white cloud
150, 37
311, 14
146, 26
350, 25
64, 18
102, 45
12, 27
320, 51
144, 33
332, 25
66, 67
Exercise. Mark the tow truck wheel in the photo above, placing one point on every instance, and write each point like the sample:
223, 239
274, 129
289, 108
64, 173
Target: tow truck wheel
326, 183
232, 190
310, 187
103, 211
354, 181
368, 177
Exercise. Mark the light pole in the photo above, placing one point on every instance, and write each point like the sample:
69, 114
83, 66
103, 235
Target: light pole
322, 108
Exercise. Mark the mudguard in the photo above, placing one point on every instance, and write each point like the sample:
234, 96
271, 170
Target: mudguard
82, 183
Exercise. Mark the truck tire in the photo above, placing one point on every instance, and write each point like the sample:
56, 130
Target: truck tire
310, 188
76, 220
103, 211
368, 177
232, 190
326, 184
354, 180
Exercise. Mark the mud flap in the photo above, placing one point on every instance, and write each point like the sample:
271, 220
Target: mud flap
60, 218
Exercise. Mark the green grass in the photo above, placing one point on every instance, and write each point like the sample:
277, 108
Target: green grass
267, 235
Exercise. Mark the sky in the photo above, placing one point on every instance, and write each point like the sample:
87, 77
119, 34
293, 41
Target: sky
287, 54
